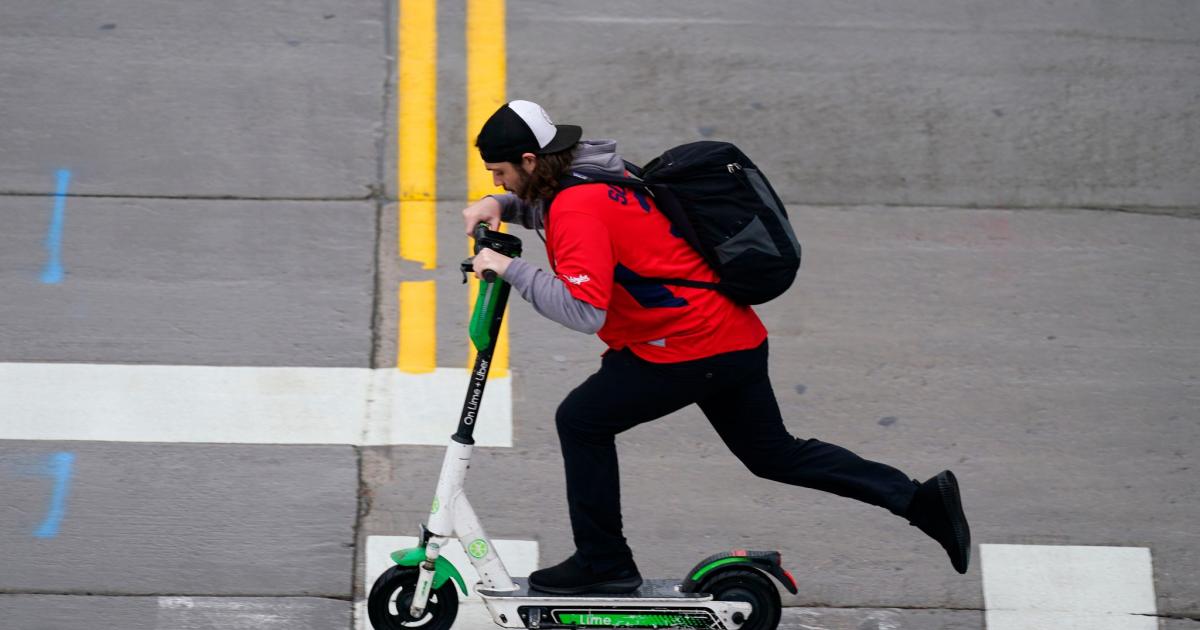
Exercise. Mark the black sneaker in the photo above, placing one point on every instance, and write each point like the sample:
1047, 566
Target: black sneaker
570, 577
936, 509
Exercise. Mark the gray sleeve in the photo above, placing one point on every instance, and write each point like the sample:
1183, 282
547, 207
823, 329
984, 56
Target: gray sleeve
513, 210
551, 298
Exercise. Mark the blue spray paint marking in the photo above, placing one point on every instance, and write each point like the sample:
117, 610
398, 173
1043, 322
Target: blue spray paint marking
53, 272
58, 467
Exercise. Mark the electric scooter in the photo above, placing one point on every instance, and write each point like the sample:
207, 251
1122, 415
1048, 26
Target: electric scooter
733, 590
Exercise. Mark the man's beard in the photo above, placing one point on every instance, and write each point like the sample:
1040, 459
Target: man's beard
522, 189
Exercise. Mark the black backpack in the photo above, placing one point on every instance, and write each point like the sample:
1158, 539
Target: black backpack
723, 206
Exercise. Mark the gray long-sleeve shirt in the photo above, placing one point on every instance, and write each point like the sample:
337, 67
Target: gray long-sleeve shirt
546, 292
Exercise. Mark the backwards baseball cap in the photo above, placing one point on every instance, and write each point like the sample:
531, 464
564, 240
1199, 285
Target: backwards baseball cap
520, 127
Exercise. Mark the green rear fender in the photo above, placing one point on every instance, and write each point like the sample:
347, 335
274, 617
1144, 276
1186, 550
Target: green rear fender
442, 568
768, 562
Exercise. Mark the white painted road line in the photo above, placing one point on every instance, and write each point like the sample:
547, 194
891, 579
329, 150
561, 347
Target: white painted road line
255, 405
520, 558
1037, 587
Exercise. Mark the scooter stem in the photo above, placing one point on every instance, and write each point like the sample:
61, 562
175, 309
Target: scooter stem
485, 326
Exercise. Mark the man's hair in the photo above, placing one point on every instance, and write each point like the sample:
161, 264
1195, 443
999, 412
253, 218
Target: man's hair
543, 182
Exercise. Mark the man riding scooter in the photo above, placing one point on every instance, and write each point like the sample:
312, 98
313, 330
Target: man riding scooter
669, 346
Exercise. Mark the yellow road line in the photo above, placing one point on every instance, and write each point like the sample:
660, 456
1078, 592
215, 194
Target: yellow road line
416, 157
417, 130
487, 75
417, 341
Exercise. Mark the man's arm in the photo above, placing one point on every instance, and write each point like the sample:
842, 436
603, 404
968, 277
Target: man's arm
551, 298
513, 210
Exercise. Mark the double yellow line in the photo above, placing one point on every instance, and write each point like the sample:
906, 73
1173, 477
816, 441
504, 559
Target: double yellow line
416, 87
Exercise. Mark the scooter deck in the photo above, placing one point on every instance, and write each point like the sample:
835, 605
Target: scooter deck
658, 589
656, 604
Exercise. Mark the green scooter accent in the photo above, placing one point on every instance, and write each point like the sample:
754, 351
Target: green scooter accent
485, 312
767, 562
699, 575
443, 569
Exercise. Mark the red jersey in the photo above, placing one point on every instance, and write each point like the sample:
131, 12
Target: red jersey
602, 237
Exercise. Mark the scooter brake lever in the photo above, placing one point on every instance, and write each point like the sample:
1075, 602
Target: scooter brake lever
467, 266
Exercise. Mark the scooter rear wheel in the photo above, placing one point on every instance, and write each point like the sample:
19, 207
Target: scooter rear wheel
391, 597
739, 585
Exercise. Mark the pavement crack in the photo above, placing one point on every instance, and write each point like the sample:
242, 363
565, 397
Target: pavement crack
373, 194
377, 192
365, 504
886, 607
1175, 616
377, 289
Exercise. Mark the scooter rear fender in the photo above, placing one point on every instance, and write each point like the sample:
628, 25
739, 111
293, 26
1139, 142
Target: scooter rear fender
769, 562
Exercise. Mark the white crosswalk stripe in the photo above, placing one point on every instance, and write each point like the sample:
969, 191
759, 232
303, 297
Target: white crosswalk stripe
260, 405
1036, 587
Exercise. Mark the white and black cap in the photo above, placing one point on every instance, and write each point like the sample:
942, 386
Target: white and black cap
520, 127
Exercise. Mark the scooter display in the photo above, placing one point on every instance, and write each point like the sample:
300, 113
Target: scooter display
733, 590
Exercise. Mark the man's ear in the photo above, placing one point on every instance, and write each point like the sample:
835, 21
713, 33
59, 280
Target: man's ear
528, 162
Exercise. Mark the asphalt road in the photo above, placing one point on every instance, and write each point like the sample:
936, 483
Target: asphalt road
998, 205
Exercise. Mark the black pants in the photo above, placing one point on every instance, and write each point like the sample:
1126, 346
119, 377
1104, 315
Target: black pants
734, 392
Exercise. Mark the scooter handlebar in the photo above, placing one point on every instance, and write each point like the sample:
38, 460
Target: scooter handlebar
480, 232
502, 243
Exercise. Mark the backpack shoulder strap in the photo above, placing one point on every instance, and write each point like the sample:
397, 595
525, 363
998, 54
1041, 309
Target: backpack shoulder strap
575, 178
666, 201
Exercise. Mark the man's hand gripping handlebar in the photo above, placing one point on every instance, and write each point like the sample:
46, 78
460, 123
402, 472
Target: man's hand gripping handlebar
493, 253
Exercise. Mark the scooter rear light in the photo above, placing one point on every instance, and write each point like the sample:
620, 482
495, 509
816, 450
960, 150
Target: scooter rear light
791, 579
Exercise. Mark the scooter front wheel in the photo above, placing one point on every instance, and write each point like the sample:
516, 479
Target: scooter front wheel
391, 598
752, 587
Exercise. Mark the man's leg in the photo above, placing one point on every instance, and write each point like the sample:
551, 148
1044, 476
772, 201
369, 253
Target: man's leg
746, 416
624, 393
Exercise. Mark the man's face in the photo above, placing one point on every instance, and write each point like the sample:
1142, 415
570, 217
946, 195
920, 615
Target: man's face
512, 177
